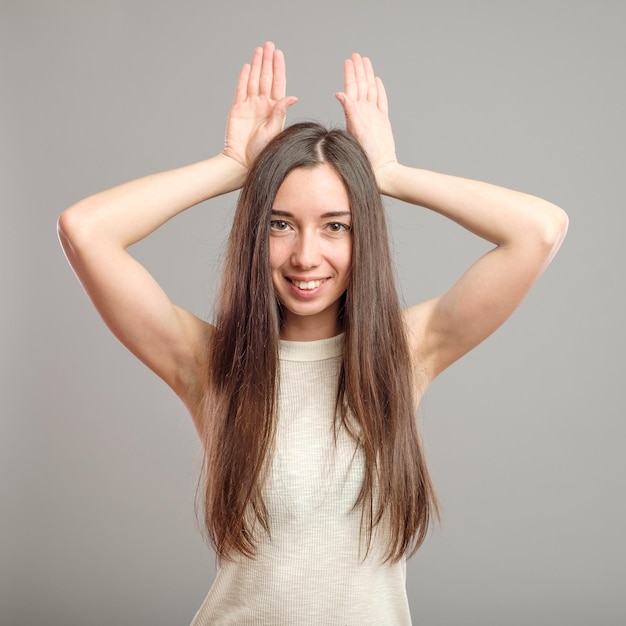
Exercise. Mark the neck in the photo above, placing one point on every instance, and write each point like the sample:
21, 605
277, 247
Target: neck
300, 328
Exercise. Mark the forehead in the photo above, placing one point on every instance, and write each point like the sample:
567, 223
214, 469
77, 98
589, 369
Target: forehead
317, 189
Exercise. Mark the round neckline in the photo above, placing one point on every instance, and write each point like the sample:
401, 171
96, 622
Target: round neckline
317, 350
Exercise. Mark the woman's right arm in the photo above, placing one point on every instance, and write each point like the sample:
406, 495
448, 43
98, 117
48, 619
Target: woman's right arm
96, 232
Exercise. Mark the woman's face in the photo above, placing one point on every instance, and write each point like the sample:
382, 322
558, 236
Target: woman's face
311, 251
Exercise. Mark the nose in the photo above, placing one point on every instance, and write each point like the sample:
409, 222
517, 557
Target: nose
306, 251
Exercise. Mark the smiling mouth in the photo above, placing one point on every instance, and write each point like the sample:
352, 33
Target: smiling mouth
306, 285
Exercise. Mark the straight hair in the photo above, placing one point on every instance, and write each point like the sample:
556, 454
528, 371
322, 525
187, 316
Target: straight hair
375, 400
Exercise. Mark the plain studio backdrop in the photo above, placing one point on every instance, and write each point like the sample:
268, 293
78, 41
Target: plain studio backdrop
98, 458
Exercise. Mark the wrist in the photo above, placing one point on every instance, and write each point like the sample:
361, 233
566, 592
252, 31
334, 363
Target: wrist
232, 171
387, 178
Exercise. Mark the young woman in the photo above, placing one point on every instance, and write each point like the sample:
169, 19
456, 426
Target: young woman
304, 390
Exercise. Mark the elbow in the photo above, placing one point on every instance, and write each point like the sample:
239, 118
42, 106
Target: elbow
68, 232
75, 224
65, 224
555, 229
69, 227
551, 231
77, 230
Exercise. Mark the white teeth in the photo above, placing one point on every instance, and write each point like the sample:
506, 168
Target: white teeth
311, 284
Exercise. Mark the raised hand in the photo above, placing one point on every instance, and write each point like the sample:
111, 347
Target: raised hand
364, 102
260, 106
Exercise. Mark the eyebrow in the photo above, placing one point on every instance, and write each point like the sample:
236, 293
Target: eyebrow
329, 214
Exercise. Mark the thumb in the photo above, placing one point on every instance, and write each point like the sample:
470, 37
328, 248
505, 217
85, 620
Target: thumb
347, 103
343, 99
279, 112
349, 109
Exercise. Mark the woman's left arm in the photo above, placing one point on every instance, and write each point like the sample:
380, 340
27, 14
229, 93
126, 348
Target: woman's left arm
526, 231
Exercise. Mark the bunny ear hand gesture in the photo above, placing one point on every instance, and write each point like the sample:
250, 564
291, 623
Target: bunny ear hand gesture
364, 102
260, 107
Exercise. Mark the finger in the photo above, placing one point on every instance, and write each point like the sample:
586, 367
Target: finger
279, 79
242, 84
265, 81
349, 79
279, 112
349, 109
359, 72
370, 77
255, 72
382, 96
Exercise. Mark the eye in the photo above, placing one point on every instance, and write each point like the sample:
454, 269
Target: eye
279, 225
338, 227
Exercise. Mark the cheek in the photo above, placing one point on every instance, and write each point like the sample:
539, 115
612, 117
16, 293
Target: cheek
276, 254
338, 253
346, 257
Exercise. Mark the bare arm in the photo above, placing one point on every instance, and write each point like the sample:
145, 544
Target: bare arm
525, 230
527, 233
96, 232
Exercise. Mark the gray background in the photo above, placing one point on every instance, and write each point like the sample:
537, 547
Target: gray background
98, 459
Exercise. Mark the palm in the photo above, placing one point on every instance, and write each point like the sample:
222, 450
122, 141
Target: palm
365, 106
258, 112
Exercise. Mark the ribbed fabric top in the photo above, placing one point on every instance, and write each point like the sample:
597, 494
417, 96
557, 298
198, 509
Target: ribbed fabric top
312, 569
311, 350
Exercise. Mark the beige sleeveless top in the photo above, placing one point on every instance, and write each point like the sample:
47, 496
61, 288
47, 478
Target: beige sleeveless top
311, 570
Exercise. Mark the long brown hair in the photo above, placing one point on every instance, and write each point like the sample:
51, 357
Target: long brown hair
375, 400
